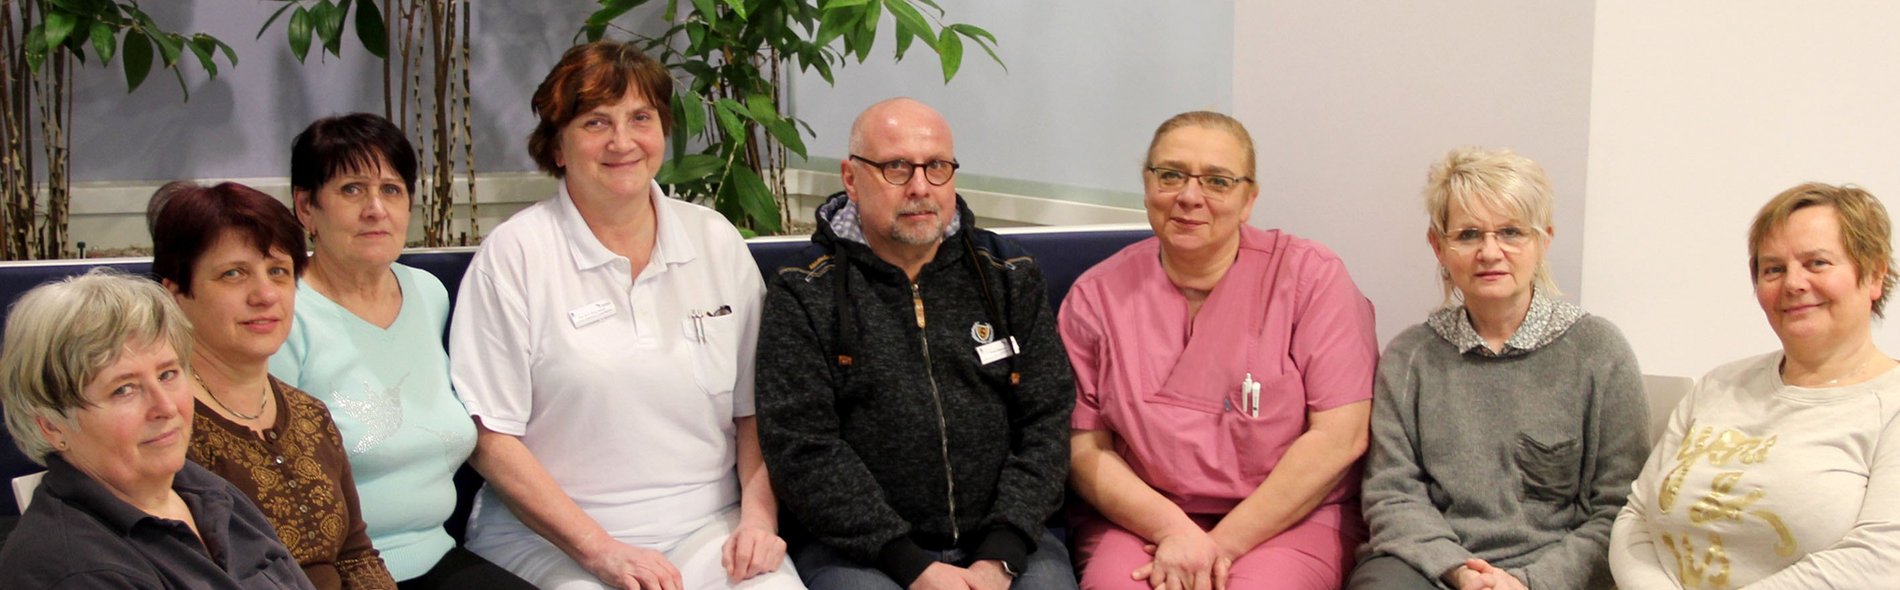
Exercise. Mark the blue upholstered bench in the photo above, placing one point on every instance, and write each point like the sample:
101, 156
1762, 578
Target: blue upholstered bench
1063, 253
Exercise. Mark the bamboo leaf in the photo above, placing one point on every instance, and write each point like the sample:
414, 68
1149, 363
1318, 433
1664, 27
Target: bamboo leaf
950, 50
933, 6
104, 41
787, 134
755, 199
371, 30
688, 169
974, 32
904, 38
907, 17
58, 25
760, 106
137, 49
833, 24
867, 30
696, 116
837, 4
300, 33
273, 18
728, 112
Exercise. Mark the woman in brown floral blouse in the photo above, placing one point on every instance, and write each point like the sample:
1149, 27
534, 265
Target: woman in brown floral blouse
231, 256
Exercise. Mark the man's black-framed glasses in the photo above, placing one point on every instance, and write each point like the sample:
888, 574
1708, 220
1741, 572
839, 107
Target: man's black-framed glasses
899, 171
1171, 180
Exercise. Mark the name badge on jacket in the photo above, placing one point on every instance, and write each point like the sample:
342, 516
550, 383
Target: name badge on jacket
998, 350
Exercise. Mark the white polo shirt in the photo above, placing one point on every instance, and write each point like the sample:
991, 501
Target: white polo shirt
608, 378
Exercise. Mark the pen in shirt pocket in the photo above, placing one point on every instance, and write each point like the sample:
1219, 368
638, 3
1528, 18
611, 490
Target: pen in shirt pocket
699, 319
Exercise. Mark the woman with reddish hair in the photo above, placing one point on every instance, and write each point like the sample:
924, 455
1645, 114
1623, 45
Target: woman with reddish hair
603, 341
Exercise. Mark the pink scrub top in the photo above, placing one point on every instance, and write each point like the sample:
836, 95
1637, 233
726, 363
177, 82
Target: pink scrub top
1172, 390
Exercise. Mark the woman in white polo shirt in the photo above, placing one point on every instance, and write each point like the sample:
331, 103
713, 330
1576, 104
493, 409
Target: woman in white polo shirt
603, 341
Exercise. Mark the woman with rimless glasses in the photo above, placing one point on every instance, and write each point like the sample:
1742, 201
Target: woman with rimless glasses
1223, 384
1507, 427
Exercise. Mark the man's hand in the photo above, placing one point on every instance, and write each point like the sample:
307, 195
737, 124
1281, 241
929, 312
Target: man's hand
989, 574
750, 551
942, 576
627, 567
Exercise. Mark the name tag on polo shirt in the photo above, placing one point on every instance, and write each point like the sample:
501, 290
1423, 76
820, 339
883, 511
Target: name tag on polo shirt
590, 313
998, 350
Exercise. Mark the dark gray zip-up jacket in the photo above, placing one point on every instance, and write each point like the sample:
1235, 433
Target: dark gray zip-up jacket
916, 444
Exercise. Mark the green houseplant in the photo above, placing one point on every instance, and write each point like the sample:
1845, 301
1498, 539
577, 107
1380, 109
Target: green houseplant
41, 39
733, 56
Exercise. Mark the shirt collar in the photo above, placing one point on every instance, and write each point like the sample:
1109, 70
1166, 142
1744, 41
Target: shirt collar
80, 490
1546, 321
670, 245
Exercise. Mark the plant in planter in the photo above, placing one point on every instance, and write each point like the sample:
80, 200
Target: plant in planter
734, 55
40, 40
425, 89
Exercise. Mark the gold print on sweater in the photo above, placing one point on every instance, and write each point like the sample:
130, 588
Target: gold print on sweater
1693, 572
1733, 451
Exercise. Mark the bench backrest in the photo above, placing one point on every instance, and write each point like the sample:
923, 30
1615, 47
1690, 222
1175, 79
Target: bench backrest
1064, 254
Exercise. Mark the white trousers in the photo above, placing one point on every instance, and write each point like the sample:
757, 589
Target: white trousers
697, 555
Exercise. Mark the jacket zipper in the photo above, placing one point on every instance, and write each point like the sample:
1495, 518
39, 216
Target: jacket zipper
936, 397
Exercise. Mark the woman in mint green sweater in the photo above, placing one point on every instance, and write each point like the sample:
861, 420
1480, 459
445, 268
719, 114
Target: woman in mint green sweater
367, 340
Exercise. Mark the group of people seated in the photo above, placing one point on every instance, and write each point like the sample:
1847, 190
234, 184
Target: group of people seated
900, 407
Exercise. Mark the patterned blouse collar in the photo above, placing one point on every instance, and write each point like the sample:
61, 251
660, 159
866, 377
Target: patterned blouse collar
1546, 321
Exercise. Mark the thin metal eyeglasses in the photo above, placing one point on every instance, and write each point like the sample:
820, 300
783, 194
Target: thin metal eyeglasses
899, 171
1171, 180
1511, 238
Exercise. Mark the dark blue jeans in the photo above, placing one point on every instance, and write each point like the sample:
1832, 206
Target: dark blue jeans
824, 569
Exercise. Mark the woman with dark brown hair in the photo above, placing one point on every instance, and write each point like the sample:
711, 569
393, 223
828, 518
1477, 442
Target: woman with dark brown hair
367, 340
603, 341
230, 256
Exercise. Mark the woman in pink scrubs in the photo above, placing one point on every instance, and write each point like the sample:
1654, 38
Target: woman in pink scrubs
1223, 387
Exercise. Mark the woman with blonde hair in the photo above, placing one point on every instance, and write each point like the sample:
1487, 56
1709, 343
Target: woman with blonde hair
1507, 427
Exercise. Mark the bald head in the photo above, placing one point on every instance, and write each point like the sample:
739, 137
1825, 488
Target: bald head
895, 119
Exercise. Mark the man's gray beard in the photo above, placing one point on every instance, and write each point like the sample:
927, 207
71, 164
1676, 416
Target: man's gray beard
930, 236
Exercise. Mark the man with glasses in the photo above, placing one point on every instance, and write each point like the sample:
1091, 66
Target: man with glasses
913, 396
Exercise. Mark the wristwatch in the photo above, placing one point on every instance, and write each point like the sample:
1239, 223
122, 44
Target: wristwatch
1009, 568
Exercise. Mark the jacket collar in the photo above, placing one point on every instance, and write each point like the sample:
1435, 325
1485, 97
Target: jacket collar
670, 244
1546, 321
839, 229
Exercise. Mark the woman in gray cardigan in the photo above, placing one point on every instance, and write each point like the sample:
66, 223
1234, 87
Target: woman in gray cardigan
1507, 427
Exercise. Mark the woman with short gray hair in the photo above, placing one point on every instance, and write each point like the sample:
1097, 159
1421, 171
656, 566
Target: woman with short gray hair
92, 379
1507, 427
